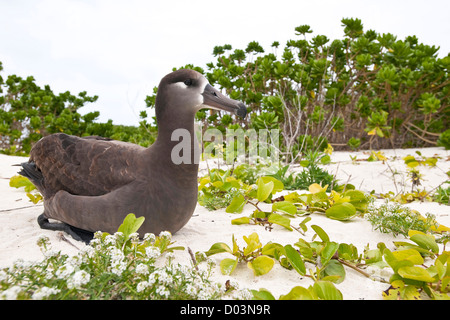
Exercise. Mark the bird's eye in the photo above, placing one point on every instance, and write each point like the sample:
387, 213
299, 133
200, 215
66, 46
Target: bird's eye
188, 82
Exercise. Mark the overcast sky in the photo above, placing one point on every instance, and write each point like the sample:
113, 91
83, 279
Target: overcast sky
119, 50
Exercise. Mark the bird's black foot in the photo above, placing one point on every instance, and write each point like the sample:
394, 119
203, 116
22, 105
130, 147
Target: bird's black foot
76, 233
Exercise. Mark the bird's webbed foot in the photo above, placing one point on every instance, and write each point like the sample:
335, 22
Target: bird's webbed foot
75, 233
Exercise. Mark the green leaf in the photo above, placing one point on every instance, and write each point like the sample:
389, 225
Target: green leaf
130, 225
253, 243
264, 189
274, 250
218, 247
297, 293
349, 252
328, 251
295, 259
343, 211
277, 184
242, 220
303, 224
228, 265
411, 161
357, 199
321, 233
261, 265
21, 181
408, 254
440, 269
304, 163
262, 294
285, 207
236, 205
325, 160
280, 220
373, 256
327, 291
425, 241
334, 269
415, 273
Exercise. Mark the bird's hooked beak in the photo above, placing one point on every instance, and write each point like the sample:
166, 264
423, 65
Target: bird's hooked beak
214, 99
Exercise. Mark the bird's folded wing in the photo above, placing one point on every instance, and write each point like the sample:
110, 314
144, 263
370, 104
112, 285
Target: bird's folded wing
84, 166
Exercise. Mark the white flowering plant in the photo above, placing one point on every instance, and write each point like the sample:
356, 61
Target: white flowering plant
117, 266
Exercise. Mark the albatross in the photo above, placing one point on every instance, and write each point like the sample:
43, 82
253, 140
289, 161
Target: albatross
91, 184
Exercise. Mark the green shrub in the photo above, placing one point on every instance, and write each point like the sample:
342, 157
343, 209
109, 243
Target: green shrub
384, 91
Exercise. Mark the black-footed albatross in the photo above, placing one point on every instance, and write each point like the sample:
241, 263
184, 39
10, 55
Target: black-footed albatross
91, 184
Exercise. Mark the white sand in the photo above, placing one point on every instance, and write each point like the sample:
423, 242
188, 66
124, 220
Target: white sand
19, 230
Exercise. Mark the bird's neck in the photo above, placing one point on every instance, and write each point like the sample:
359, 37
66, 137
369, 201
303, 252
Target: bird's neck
177, 145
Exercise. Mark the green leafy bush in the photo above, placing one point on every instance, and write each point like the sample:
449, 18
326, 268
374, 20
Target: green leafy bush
370, 86
28, 112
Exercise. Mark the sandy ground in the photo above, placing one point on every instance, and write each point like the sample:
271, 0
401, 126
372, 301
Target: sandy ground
19, 230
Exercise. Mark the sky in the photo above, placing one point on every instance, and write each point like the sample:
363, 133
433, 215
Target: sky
119, 50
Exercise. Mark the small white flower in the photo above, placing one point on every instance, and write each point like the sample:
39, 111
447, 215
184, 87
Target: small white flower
89, 251
149, 237
162, 291
142, 286
43, 240
165, 234
118, 235
134, 237
243, 294
79, 279
10, 293
151, 279
170, 255
164, 277
190, 289
118, 267
203, 295
51, 253
94, 243
64, 271
142, 269
152, 252
110, 240
98, 234
22, 264
3, 275
44, 292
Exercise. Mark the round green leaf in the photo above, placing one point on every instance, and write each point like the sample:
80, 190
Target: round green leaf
332, 269
343, 211
415, 273
228, 265
298, 293
327, 291
425, 241
236, 205
264, 189
262, 294
277, 184
242, 220
280, 220
285, 207
261, 265
218, 248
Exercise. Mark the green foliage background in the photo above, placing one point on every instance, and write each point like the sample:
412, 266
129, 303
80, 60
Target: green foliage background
28, 112
367, 90
388, 93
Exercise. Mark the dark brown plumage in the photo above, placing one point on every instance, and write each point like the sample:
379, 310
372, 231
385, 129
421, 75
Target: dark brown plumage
92, 183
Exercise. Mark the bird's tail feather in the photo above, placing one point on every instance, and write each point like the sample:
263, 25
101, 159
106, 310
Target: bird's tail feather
30, 171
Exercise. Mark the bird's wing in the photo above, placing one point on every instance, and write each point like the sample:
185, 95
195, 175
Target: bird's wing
84, 166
